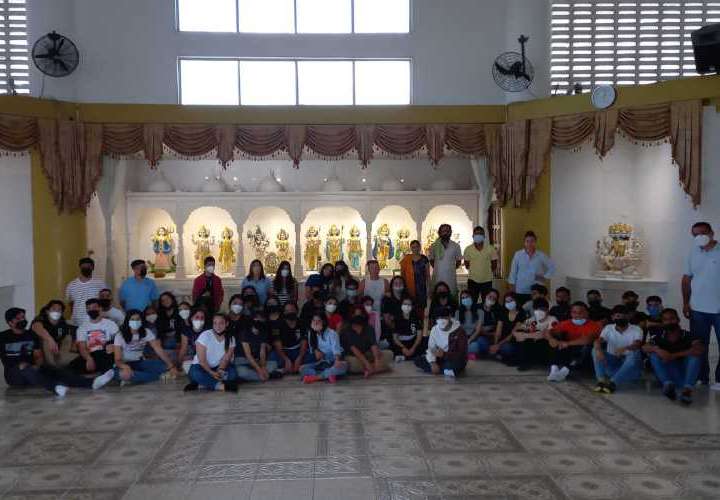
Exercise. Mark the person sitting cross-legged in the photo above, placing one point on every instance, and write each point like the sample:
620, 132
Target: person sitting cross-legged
570, 340
530, 338
447, 347
359, 344
212, 366
327, 361
619, 361
676, 358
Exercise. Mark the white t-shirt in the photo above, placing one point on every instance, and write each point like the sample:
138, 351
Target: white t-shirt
97, 335
115, 314
704, 269
444, 268
134, 350
215, 349
620, 340
78, 292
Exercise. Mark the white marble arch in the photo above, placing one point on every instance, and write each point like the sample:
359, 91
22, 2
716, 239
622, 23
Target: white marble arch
270, 219
396, 217
455, 215
148, 220
215, 218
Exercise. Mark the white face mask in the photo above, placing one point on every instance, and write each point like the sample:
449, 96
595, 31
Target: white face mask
406, 308
510, 306
368, 309
236, 308
284, 273
540, 315
490, 302
330, 308
702, 240
135, 324
151, 318
210, 269
198, 324
184, 313
442, 323
54, 315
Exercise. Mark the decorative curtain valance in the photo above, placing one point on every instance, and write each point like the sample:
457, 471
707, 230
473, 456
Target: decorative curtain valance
518, 152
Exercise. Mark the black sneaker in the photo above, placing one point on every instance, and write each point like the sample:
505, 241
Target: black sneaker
192, 386
669, 391
609, 388
600, 387
686, 397
231, 386
276, 374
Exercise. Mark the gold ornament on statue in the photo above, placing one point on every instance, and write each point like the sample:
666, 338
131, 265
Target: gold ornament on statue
334, 244
202, 241
354, 248
620, 253
282, 246
227, 251
163, 244
383, 249
259, 242
272, 262
403, 244
430, 238
312, 249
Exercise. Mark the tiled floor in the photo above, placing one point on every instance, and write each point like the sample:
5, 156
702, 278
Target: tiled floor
494, 434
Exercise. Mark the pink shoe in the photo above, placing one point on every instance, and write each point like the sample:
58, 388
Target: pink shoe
366, 374
310, 379
472, 357
332, 379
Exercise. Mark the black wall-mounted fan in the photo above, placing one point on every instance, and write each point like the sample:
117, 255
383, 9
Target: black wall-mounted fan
513, 72
55, 55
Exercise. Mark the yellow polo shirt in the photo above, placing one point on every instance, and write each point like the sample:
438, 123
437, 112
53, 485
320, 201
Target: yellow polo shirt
480, 262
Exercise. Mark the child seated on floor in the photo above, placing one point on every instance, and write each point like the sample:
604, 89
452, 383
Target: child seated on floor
447, 347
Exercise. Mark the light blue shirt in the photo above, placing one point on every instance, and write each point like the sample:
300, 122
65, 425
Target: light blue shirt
138, 295
524, 269
703, 268
329, 343
262, 288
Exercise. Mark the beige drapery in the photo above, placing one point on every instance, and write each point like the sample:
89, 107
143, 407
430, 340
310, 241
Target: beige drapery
518, 152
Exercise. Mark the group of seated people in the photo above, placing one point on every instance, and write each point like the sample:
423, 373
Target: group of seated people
341, 328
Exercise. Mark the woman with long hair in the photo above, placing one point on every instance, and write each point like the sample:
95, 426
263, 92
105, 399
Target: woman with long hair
415, 270
284, 285
169, 324
325, 347
212, 366
51, 328
342, 277
407, 332
373, 285
196, 324
257, 280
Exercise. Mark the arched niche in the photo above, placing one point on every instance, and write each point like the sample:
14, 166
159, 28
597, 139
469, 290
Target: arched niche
155, 241
398, 220
215, 219
462, 226
322, 219
271, 221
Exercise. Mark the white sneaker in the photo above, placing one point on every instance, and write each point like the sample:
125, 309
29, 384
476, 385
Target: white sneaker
449, 373
552, 377
61, 390
562, 374
399, 359
715, 386
102, 380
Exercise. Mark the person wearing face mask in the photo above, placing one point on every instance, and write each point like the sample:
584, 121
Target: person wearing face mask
373, 285
373, 317
561, 309
361, 350
616, 352
94, 340
447, 347
352, 299
536, 292
390, 306
488, 327
333, 317
341, 278
529, 266
653, 316
81, 289
22, 359
212, 367
289, 344
52, 330
251, 304
257, 280
284, 286
138, 291
207, 289
407, 333
151, 317
441, 298
190, 333
630, 299
252, 362
415, 270
326, 353
503, 346
310, 307
445, 258
481, 260
531, 337
570, 342
109, 311
324, 281
597, 312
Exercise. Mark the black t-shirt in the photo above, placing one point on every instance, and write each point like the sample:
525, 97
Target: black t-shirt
307, 311
169, 329
491, 317
363, 341
390, 305
560, 311
599, 313
16, 348
58, 331
683, 342
237, 326
254, 340
407, 329
508, 325
289, 337
345, 308
435, 309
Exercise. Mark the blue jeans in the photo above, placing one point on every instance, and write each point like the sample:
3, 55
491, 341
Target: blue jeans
144, 371
681, 372
700, 325
203, 379
619, 369
247, 373
480, 346
292, 354
312, 368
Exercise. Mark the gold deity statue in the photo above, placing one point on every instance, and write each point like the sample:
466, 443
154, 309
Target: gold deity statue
383, 249
227, 250
282, 246
259, 242
162, 241
402, 246
202, 241
354, 248
334, 244
312, 249
430, 238
621, 253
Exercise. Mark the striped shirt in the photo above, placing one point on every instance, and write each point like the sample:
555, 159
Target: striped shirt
78, 292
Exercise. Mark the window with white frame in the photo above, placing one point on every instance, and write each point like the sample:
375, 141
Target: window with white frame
294, 16
263, 82
14, 57
624, 42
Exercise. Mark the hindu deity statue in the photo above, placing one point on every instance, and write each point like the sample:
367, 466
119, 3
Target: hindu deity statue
259, 242
621, 253
354, 248
430, 238
227, 251
162, 241
312, 249
202, 241
402, 246
383, 249
282, 246
334, 244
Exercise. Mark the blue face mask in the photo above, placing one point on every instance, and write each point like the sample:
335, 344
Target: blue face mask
579, 321
653, 311
478, 238
467, 301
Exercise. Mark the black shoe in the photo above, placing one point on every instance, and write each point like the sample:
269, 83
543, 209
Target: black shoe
522, 368
600, 387
609, 388
686, 397
276, 374
231, 386
669, 391
192, 386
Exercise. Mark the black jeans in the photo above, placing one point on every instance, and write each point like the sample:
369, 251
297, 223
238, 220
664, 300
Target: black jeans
570, 356
420, 351
522, 298
44, 376
477, 289
103, 362
457, 366
533, 352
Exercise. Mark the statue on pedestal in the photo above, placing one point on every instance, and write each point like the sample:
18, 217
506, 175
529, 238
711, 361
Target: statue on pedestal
259, 242
354, 248
334, 244
202, 241
620, 254
312, 249
282, 246
383, 249
402, 247
162, 241
227, 251
430, 238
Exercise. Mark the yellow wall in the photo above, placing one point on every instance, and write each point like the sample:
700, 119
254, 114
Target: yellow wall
59, 240
534, 216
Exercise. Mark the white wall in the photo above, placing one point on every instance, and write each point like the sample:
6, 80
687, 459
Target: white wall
16, 252
129, 48
634, 184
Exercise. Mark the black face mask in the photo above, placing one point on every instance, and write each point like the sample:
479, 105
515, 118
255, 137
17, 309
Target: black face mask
443, 295
273, 309
562, 302
143, 272
105, 303
86, 271
622, 322
94, 314
632, 306
22, 324
291, 317
595, 303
